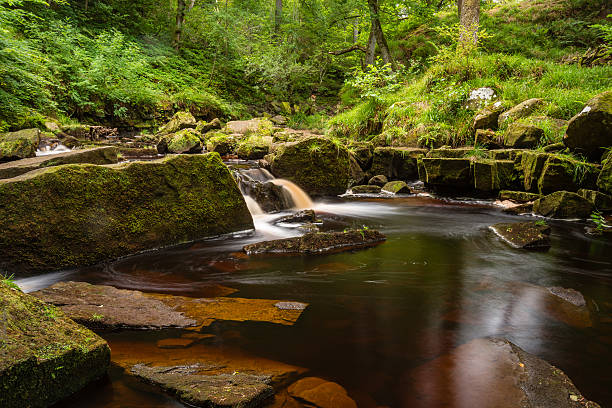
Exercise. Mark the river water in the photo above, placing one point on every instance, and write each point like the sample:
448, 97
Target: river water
376, 315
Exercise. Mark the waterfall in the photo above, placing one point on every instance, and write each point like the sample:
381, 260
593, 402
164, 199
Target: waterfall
254, 208
301, 200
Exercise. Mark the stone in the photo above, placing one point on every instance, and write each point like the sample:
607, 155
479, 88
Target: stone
19, 145
518, 196
554, 148
183, 141
532, 164
591, 130
317, 165
78, 131
279, 120
318, 243
491, 175
44, 356
254, 147
270, 197
525, 208
569, 295
379, 180
87, 213
180, 121
198, 389
98, 155
448, 153
493, 373
521, 110
524, 235
560, 173
321, 393
488, 117
505, 154
175, 343
362, 152
450, 173
357, 175
396, 187
522, 136
257, 125
604, 180
107, 308
487, 138
298, 217
366, 189
479, 97
601, 201
205, 127
563, 204
396, 163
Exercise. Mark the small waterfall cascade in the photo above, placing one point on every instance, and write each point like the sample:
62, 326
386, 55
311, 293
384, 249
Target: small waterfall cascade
300, 199
254, 208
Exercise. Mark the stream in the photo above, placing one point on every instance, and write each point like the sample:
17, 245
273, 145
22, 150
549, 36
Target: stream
440, 280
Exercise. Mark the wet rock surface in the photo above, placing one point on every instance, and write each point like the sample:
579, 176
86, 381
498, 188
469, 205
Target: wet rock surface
18, 145
321, 393
320, 242
494, 373
525, 235
99, 155
44, 355
366, 189
570, 295
563, 204
107, 308
302, 216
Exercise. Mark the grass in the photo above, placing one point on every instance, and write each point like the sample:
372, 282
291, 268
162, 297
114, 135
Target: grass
9, 280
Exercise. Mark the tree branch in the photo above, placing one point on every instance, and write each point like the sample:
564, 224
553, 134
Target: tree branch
355, 47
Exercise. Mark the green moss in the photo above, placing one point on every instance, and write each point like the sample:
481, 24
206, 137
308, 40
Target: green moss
184, 141
86, 213
221, 143
19, 145
254, 147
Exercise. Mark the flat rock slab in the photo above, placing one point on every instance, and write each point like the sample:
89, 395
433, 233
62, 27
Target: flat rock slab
318, 242
108, 308
493, 373
195, 388
525, 235
321, 393
99, 155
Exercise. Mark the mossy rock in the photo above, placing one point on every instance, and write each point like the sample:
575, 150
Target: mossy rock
601, 201
518, 196
378, 180
591, 130
203, 127
604, 181
522, 136
396, 163
563, 204
221, 143
254, 147
318, 165
560, 173
486, 138
19, 145
531, 164
487, 118
363, 152
524, 235
85, 213
448, 153
183, 141
521, 110
44, 356
366, 189
396, 187
450, 173
492, 175
505, 154
180, 121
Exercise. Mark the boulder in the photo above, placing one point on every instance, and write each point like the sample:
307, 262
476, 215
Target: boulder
518, 196
318, 165
491, 175
366, 189
180, 121
44, 356
601, 201
99, 155
479, 97
357, 175
521, 110
524, 235
321, 393
488, 117
379, 180
183, 141
318, 243
78, 131
531, 164
198, 389
362, 152
261, 126
396, 163
19, 145
221, 143
448, 153
522, 136
205, 127
302, 216
396, 187
254, 147
87, 213
505, 154
486, 138
604, 180
450, 173
493, 373
591, 129
103, 307
560, 173
563, 204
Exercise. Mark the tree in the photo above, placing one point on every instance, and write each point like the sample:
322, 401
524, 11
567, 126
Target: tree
180, 21
278, 17
469, 18
379, 35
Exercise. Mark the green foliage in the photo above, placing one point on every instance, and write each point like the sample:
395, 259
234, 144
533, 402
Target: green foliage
598, 219
604, 32
9, 280
375, 81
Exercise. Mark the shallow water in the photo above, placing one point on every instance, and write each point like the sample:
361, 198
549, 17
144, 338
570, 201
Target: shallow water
377, 315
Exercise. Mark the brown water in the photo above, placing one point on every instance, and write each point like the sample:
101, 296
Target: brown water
377, 317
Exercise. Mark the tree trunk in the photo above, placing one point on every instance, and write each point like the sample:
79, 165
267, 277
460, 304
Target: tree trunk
459, 7
470, 17
86, 4
371, 47
356, 30
180, 20
378, 32
278, 17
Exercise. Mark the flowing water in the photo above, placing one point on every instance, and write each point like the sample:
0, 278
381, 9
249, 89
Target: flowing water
377, 315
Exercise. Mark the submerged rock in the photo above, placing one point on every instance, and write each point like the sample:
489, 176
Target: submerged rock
319, 242
591, 130
365, 189
569, 295
525, 235
108, 308
99, 155
298, 217
321, 393
87, 213
19, 145
563, 204
44, 356
208, 391
493, 373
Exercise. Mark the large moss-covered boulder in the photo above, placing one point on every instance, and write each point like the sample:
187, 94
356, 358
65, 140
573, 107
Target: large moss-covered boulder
318, 165
604, 181
521, 110
19, 145
601, 201
180, 121
450, 173
254, 147
522, 136
488, 117
491, 175
44, 356
221, 143
396, 163
85, 213
591, 130
183, 141
98, 155
561, 173
531, 164
563, 204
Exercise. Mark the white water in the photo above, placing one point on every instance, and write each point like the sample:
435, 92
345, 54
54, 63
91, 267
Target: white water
301, 200
254, 208
46, 151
